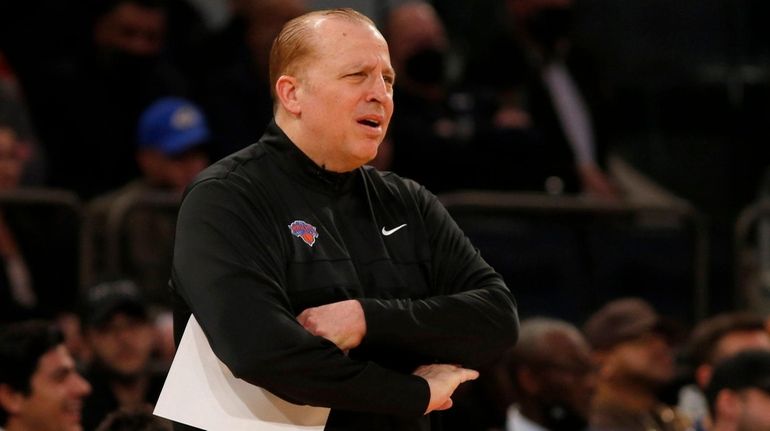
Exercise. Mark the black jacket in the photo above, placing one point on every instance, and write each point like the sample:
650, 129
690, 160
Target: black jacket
266, 233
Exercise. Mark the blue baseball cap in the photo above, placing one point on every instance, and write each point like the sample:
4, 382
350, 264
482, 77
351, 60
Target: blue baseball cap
172, 125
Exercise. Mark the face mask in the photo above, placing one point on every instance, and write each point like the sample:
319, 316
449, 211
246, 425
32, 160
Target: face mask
426, 66
560, 417
550, 26
122, 63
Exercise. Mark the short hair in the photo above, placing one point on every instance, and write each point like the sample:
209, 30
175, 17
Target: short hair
532, 344
22, 344
749, 369
704, 338
294, 43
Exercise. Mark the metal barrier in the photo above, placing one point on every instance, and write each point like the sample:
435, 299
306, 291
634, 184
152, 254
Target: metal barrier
46, 224
577, 240
131, 237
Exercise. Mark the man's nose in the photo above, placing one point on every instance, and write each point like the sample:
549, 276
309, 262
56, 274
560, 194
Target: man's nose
379, 90
82, 387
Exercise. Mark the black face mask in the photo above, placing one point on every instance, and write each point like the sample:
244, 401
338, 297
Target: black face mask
560, 417
116, 62
551, 25
426, 66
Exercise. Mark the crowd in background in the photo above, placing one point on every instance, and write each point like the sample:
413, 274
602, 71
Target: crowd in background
117, 99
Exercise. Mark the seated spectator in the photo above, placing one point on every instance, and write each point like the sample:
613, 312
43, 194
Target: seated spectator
632, 347
427, 126
120, 334
739, 392
712, 341
14, 117
86, 108
552, 375
38, 263
536, 68
40, 389
236, 91
171, 150
138, 419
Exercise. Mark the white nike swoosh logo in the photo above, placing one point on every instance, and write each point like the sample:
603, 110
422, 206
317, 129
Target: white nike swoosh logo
387, 232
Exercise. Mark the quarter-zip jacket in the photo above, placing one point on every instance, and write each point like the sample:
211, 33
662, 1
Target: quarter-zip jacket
266, 233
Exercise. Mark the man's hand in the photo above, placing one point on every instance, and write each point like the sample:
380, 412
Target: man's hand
443, 379
343, 323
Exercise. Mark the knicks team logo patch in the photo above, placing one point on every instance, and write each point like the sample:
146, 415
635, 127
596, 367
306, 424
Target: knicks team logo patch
304, 230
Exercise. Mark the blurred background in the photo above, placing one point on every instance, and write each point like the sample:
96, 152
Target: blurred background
592, 148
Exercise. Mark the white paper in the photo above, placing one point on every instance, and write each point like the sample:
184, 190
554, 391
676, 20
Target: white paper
202, 392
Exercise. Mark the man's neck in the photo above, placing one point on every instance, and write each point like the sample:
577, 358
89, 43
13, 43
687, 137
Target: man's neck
307, 144
130, 392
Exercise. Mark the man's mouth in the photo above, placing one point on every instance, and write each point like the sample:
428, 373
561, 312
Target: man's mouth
373, 121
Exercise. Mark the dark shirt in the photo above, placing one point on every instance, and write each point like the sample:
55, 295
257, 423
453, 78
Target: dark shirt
427, 295
102, 400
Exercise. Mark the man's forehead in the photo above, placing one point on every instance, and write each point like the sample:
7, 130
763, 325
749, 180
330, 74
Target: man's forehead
339, 27
55, 360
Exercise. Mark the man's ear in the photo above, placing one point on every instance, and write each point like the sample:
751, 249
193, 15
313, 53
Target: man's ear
286, 89
10, 399
528, 380
727, 406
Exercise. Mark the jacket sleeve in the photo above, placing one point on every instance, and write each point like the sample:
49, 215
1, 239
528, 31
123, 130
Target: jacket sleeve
229, 263
471, 319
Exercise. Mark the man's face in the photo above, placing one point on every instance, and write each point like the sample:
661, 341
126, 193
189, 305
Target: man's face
568, 377
133, 29
345, 93
12, 158
739, 341
647, 358
124, 344
56, 398
173, 173
755, 412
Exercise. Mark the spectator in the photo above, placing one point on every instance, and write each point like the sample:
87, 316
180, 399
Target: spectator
86, 109
543, 74
427, 125
632, 347
40, 389
712, 341
739, 392
37, 260
552, 375
236, 91
121, 337
171, 149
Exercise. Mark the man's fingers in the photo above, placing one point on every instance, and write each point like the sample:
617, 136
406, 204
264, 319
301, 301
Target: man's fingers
467, 374
446, 406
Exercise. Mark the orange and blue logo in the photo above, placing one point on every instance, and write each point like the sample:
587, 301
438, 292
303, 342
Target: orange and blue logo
304, 230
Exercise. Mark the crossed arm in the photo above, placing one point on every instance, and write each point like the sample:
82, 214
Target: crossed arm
344, 324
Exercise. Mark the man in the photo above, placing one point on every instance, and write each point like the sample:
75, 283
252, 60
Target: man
712, 341
632, 346
40, 390
552, 375
739, 393
326, 282
38, 243
86, 106
171, 138
121, 337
